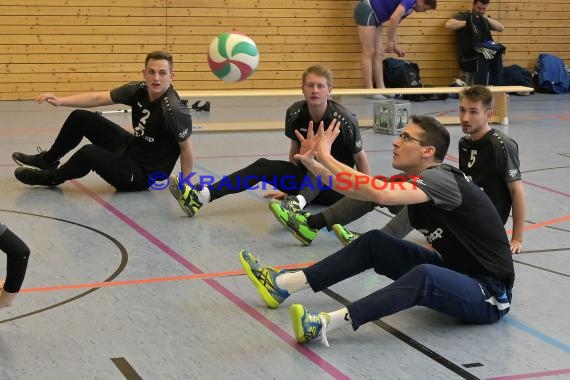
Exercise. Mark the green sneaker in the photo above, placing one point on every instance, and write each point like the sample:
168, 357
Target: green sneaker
264, 280
345, 236
308, 326
295, 222
187, 197
289, 203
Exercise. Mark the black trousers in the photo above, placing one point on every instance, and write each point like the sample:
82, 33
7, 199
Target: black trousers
18, 254
284, 175
485, 72
105, 155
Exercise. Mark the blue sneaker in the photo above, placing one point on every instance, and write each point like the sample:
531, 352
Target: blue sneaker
264, 280
308, 326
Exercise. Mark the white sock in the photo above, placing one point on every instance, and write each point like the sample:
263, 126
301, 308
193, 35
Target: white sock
339, 318
292, 281
302, 201
204, 195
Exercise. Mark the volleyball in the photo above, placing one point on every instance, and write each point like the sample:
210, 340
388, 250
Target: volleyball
233, 56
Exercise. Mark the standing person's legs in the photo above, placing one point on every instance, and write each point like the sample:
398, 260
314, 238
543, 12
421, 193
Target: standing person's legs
368, 36
379, 59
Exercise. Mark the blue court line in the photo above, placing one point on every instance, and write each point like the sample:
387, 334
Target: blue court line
537, 334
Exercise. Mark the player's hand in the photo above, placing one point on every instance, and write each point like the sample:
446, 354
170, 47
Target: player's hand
48, 98
516, 246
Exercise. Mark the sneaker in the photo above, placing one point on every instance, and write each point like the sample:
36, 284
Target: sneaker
375, 96
345, 236
308, 326
290, 203
34, 177
37, 161
187, 197
264, 280
295, 222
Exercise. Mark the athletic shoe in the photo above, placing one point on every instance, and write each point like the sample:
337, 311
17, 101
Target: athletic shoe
187, 197
345, 236
308, 326
264, 280
36, 161
34, 177
295, 222
289, 203
375, 96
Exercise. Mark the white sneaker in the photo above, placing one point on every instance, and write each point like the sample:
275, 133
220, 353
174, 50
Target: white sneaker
375, 96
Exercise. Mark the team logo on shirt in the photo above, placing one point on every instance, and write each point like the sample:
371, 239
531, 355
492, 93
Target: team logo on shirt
139, 129
513, 172
472, 159
432, 236
183, 133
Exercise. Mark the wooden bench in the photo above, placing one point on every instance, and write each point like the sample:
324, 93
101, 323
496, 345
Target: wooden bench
500, 97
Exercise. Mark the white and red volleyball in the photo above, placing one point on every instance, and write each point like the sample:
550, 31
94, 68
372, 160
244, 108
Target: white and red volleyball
233, 56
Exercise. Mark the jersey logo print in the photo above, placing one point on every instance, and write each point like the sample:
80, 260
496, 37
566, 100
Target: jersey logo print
183, 133
139, 129
437, 234
472, 159
513, 172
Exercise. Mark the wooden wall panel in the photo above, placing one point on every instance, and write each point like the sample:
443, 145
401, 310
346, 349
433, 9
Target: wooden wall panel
67, 46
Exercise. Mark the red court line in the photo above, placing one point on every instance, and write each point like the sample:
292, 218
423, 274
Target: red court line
254, 313
532, 375
200, 276
545, 223
203, 276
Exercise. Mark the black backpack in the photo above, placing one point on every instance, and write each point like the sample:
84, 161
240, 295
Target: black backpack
516, 75
400, 73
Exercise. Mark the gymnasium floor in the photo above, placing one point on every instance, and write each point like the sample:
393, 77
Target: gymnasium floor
178, 306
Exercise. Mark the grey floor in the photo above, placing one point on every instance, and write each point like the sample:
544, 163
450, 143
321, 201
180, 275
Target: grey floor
178, 307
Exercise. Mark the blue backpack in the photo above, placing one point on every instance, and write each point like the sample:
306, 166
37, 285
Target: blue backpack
552, 76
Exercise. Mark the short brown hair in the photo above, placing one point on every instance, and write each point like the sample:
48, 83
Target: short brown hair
320, 71
478, 93
158, 55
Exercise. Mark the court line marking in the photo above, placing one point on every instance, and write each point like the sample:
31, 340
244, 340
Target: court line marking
254, 313
203, 276
199, 276
126, 369
532, 375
